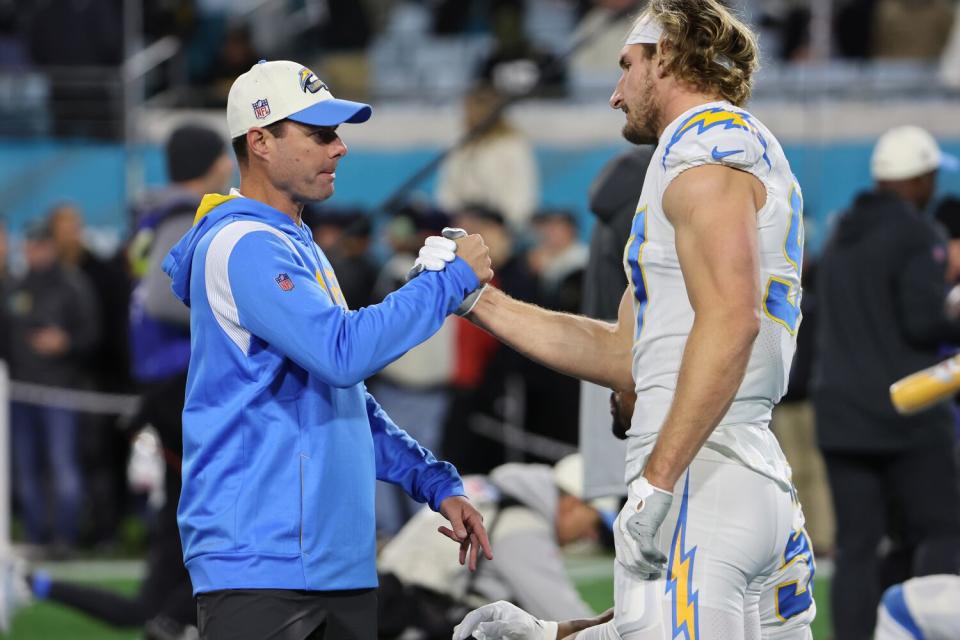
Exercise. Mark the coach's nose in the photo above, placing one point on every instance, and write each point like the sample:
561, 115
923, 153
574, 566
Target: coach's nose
339, 148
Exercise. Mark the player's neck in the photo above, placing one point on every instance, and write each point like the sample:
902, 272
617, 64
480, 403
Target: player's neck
679, 102
258, 188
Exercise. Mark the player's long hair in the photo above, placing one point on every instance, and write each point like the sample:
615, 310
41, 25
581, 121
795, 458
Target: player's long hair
709, 48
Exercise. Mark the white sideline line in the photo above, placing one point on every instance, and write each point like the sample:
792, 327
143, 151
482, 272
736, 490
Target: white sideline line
95, 570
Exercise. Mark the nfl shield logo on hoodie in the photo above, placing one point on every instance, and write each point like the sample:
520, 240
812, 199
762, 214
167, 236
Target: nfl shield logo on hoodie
285, 282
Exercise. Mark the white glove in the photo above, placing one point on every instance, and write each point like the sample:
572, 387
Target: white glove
435, 253
502, 620
642, 527
434, 256
442, 249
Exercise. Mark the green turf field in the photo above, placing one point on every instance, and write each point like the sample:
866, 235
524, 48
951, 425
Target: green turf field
45, 621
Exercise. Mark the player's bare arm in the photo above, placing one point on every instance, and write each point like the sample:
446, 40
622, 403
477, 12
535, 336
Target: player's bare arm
714, 212
577, 346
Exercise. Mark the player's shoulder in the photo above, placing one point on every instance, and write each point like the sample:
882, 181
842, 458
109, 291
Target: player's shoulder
717, 133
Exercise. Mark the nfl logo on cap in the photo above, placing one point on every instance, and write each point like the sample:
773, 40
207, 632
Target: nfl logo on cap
261, 109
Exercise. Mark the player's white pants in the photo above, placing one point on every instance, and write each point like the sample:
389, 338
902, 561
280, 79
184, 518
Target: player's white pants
925, 608
740, 565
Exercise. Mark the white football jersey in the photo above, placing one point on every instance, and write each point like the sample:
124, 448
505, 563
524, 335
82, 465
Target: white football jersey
920, 608
715, 133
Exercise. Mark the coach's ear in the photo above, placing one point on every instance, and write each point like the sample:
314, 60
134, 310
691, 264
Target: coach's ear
260, 143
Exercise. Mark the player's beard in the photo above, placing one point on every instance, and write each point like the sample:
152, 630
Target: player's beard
643, 118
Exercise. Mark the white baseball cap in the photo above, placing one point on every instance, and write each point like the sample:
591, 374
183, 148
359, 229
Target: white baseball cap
907, 152
568, 476
281, 89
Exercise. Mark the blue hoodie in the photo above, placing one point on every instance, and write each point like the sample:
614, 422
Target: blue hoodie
281, 441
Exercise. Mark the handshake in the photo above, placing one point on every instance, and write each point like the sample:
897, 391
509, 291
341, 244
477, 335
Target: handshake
437, 251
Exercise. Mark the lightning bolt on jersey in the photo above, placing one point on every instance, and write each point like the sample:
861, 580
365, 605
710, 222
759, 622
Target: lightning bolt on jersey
715, 133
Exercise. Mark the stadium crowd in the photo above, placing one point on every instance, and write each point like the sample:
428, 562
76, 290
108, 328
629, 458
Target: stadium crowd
77, 49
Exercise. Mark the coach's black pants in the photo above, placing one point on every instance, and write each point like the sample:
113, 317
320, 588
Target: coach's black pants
281, 614
912, 497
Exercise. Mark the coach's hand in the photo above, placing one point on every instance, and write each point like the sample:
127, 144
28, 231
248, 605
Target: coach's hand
466, 528
642, 527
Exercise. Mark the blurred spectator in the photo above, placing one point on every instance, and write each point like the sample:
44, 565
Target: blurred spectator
603, 50
853, 28
197, 164
496, 168
54, 327
82, 43
235, 56
452, 17
415, 389
950, 61
517, 64
342, 34
881, 293
13, 49
103, 448
163, 606
531, 511
947, 213
558, 259
913, 29
344, 236
75, 34
5, 285
111, 284
614, 194
794, 32
488, 379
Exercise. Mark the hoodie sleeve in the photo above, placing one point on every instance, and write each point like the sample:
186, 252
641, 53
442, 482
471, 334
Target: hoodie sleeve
403, 462
275, 296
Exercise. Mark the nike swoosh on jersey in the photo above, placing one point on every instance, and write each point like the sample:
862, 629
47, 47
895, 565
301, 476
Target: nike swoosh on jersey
720, 155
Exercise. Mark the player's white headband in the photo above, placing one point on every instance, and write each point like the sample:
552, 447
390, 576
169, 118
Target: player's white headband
646, 31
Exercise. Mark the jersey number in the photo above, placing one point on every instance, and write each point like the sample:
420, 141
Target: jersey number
638, 237
796, 596
781, 302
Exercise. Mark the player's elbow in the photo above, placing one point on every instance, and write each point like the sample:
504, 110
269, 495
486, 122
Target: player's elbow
739, 324
750, 321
